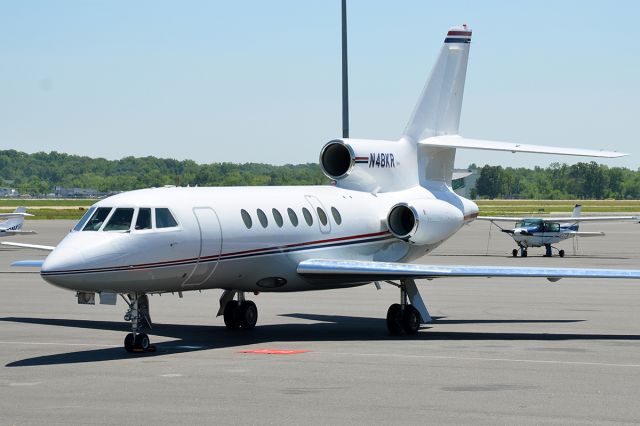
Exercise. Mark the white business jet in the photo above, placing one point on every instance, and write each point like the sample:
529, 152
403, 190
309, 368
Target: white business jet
11, 223
543, 232
391, 204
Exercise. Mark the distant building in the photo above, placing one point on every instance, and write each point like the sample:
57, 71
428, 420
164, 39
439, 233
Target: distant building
9, 192
62, 192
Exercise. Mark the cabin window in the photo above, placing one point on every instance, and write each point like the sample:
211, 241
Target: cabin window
293, 217
246, 218
164, 218
336, 215
277, 217
120, 220
262, 218
85, 217
322, 216
144, 219
97, 219
307, 216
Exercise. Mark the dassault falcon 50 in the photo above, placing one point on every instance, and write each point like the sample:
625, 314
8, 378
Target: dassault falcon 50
539, 232
391, 204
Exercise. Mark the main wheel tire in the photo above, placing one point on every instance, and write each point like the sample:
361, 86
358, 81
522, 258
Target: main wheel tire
142, 342
524, 253
129, 342
561, 253
248, 315
514, 253
410, 320
231, 315
394, 319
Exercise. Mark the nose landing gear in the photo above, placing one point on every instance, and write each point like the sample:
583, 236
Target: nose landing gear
138, 314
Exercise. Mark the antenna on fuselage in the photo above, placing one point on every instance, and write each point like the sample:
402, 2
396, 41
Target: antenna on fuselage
345, 74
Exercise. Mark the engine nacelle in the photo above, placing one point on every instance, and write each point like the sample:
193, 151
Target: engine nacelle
424, 222
369, 165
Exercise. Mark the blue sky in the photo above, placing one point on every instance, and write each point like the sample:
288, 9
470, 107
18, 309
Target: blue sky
260, 81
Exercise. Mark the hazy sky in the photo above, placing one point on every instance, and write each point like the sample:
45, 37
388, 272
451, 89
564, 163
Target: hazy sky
260, 80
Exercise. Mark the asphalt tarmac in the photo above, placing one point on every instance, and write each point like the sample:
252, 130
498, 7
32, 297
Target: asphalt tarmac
502, 351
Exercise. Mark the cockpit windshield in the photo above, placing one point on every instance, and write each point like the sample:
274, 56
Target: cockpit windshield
530, 223
120, 220
84, 219
97, 219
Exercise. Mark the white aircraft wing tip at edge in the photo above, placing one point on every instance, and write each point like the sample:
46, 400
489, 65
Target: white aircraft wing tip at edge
29, 263
32, 246
370, 270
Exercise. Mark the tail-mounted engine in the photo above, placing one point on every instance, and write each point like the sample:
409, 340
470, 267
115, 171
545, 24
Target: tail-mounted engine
369, 165
424, 222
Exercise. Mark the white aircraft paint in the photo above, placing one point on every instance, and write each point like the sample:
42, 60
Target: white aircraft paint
392, 203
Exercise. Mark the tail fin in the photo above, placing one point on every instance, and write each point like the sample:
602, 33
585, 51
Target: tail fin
577, 210
14, 223
438, 109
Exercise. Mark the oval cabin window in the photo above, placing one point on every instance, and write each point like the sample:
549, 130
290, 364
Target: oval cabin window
322, 216
277, 217
262, 218
293, 217
336, 215
307, 216
246, 218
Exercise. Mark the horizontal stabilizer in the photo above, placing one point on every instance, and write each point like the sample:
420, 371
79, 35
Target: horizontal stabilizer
14, 215
364, 271
18, 231
33, 263
454, 141
584, 234
32, 246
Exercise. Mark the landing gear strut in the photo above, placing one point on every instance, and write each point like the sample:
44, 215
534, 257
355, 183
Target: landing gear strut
239, 313
138, 314
404, 317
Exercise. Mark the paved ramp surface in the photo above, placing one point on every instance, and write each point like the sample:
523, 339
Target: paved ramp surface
501, 351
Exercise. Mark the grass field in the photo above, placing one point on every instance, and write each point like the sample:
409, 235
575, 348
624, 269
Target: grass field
74, 209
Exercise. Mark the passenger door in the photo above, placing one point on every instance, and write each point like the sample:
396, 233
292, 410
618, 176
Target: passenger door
210, 246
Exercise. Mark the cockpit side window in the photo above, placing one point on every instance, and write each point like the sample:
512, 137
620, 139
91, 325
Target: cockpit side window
97, 219
83, 220
120, 220
144, 219
164, 218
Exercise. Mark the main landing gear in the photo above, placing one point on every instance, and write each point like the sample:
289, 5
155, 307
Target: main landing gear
138, 314
548, 253
238, 314
406, 316
523, 252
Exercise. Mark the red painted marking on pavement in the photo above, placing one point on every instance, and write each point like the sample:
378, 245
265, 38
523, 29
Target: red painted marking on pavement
275, 351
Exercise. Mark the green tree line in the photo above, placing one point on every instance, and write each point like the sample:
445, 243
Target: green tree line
39, 173
559, 181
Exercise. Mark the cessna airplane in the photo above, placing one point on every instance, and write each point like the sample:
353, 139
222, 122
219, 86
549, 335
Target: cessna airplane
11, 223
538, 232
391, 204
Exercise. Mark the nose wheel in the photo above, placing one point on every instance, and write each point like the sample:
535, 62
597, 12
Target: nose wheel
138, 314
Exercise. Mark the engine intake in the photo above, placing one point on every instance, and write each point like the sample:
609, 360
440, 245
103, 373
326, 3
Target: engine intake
336, 159
423, 222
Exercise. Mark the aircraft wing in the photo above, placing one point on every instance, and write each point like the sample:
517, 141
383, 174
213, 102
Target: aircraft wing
593, 218
17, 231
365, 271
455, 141
500, 218
33, 246
13, 214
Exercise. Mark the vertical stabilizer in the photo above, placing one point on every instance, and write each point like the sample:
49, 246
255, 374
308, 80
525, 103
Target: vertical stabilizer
577, 210
438, 109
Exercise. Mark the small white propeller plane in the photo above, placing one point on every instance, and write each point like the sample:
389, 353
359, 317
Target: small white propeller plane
543, 232
391, 204
11, 223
